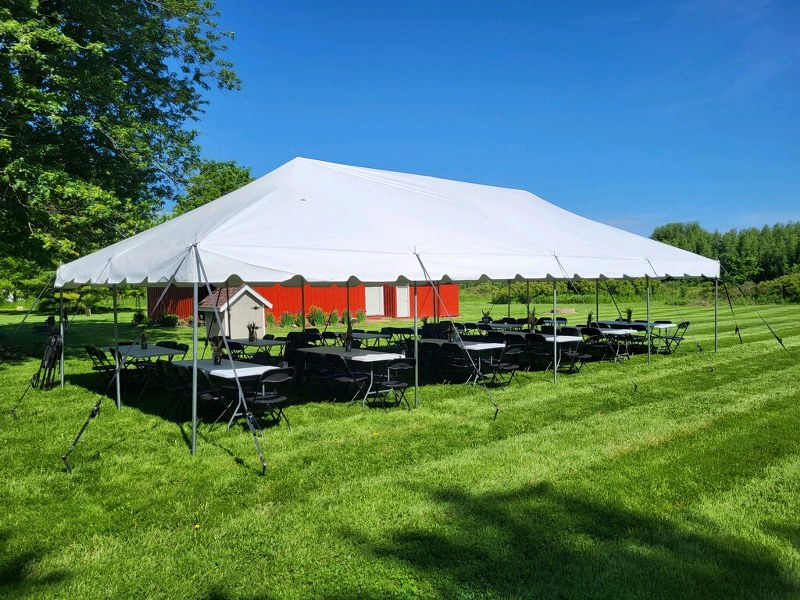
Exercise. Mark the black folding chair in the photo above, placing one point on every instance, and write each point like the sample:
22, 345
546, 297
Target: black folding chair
673, 341
265, 398
505, 368
395, 382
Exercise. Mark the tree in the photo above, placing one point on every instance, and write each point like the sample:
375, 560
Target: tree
211, 180
95, 99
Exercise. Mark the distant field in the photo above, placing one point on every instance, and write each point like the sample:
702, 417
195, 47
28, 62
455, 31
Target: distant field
688, 487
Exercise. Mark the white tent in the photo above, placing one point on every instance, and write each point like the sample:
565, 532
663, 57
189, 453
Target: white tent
319, 222
329, 223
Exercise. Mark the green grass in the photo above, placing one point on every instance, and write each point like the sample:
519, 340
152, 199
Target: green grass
688, 487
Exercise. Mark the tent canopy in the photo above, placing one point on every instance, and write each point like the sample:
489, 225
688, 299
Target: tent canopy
319, 222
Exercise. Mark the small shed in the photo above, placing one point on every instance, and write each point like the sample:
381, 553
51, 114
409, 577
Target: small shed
238, 306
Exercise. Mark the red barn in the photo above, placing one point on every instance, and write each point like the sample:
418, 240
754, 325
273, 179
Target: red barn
376, 301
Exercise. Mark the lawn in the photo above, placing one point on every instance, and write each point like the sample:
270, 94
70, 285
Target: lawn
681, 479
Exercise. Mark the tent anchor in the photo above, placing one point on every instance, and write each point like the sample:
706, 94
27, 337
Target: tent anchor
92, 414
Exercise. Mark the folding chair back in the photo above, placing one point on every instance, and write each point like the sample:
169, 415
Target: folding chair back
673, 341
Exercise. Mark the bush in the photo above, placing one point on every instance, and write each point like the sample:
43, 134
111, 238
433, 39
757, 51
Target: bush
287, 319
168, 320
138, 317
361, 316
269, 319
316, 316
333, 318
345, 317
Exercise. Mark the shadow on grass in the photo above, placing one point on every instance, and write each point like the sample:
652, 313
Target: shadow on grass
539, 541
18, 572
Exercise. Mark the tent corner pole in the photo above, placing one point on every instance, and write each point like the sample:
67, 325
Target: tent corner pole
647, 318
555, 331
61, 334
716, 314
116, 346
416, 349
195, 316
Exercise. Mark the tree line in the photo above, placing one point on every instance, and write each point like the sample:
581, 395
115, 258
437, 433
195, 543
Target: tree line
746, 255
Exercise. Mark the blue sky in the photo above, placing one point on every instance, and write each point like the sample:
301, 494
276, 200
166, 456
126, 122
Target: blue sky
635, 114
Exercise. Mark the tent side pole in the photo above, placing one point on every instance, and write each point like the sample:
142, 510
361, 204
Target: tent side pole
596, 299
416, 349
347, 301
61, 334
555, 332
508, 309
116, 346
716, 314
195, 317
302, 304
647, 318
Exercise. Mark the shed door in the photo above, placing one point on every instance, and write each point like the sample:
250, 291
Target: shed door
244, 310
374, 301
403, 302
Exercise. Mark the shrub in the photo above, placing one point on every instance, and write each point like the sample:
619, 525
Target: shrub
361, 316
287, 319
269, 319
333, 318
316, 316
345, 317
168, 320
138, 317
298, 319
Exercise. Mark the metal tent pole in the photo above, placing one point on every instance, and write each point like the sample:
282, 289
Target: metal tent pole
302, 304
195, 296
61, 334
647, 318
555, 332
596, 299
508, 310
116, 346
416, 349
716, 313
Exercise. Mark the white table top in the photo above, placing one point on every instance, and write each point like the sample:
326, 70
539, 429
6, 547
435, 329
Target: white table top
468, 344
355, 354
370, 335
243, 369
502, 325
563, 339
651, 325
259, 343
152, 350
619, 331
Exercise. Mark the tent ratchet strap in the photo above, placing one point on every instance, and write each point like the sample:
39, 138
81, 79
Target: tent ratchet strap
760, 316
248, 415
730, 304
607, 342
